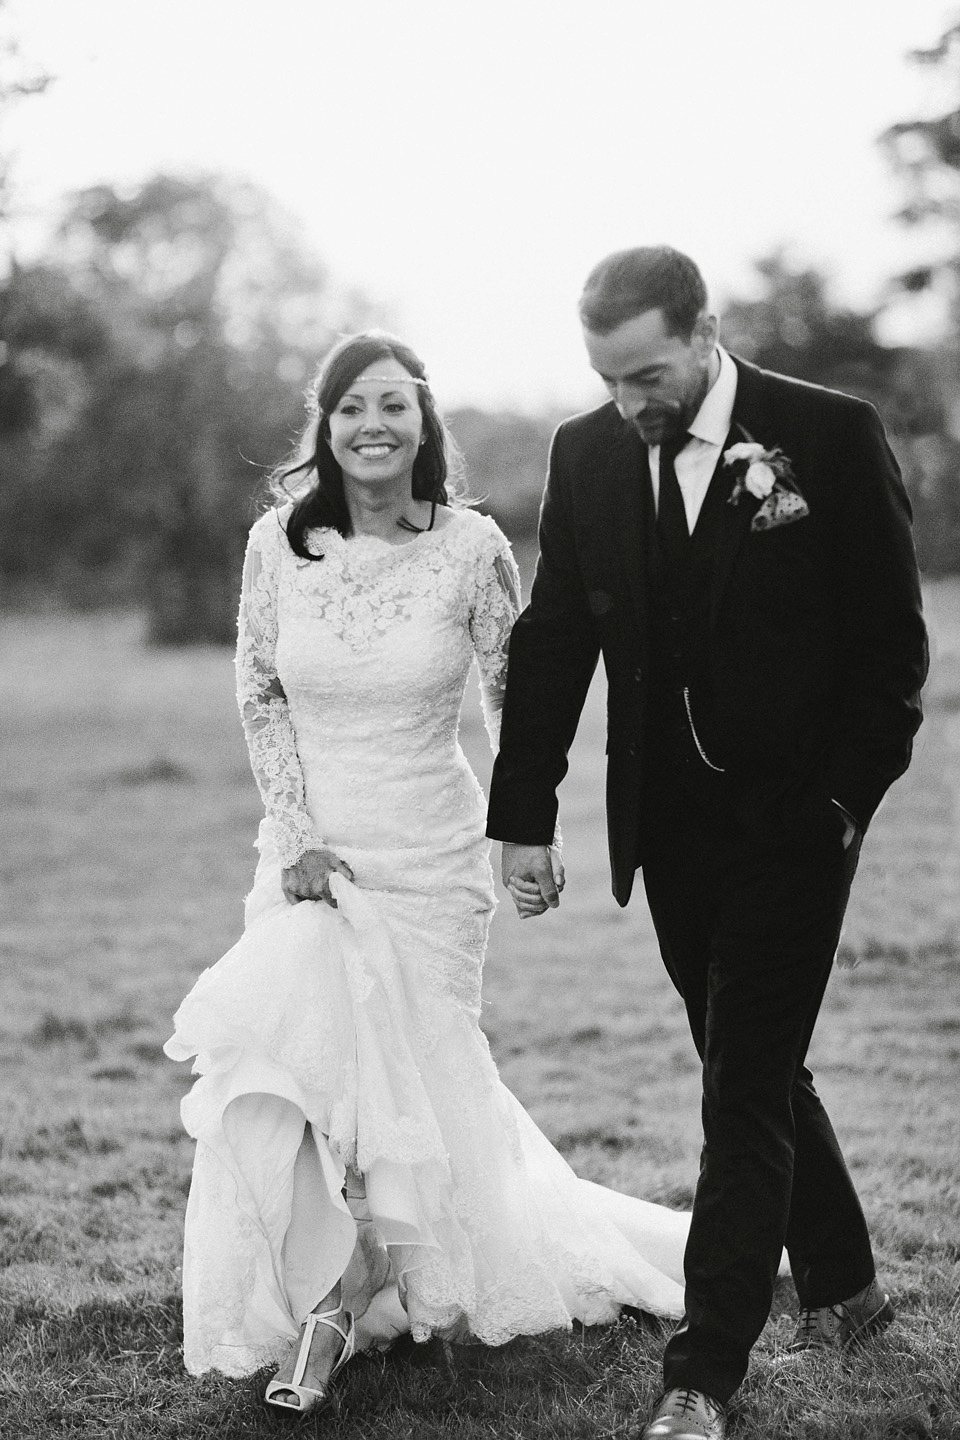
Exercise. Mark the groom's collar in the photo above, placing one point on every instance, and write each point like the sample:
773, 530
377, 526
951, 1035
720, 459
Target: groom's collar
712, 421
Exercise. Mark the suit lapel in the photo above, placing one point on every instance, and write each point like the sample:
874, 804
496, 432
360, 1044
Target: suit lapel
749, 419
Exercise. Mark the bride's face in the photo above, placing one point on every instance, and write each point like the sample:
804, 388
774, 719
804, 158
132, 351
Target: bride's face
376, 427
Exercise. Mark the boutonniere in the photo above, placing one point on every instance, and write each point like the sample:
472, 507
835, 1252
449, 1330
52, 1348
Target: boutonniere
767, 475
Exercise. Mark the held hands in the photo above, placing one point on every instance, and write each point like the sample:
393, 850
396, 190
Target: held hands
309, 879
533, 875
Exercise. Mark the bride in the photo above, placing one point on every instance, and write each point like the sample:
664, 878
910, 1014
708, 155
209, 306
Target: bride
360, 1169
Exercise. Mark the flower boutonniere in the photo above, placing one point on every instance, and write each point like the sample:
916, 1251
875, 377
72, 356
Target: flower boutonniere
767, 475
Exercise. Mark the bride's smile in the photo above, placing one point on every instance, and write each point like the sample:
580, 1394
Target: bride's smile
376, 427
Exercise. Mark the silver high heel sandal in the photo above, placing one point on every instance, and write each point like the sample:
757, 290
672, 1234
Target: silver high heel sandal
313, 1400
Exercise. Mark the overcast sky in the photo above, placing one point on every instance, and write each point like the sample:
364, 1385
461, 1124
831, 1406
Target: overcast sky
467, 161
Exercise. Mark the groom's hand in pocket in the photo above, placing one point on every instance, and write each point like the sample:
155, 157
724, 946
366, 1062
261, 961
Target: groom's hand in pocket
533, 877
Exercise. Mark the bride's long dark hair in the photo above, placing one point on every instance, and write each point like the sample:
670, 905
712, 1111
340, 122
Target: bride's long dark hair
318, 497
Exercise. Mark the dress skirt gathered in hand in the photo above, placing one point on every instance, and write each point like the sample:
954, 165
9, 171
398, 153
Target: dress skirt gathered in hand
348, 1115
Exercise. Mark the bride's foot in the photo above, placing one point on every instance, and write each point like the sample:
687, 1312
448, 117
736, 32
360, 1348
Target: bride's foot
325, 1344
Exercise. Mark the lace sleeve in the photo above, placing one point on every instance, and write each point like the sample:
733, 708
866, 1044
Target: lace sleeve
263, 705
495, 607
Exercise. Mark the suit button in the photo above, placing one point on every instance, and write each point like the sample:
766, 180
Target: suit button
638, 675
633, 749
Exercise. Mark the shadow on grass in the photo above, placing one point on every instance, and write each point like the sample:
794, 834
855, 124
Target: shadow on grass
114, 1369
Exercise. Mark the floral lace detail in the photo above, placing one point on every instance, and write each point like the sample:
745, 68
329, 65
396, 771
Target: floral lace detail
460, 581
263, 706
525, 1300
496, 604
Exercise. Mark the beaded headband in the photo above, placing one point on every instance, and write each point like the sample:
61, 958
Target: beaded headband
391, 380
313, 400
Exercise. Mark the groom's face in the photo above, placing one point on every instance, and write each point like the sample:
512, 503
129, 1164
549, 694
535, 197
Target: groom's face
656, 379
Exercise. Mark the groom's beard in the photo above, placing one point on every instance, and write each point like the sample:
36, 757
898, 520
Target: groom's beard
660, 428
668, 422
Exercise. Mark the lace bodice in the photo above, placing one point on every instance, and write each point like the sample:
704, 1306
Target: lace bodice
351, 671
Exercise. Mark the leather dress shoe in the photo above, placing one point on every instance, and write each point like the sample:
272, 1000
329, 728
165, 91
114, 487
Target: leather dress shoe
686, 1415
837, 1327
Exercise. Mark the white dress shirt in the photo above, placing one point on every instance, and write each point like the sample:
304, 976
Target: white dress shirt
708, 430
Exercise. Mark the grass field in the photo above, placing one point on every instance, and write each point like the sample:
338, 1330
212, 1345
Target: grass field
128, 816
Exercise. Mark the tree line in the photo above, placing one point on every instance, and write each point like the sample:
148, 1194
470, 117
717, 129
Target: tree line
152, 365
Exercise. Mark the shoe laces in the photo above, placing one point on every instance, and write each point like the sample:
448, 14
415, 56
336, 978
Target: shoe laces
811, 1329
688, 1401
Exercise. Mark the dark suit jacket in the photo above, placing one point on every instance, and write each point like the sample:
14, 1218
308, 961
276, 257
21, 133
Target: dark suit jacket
813, 649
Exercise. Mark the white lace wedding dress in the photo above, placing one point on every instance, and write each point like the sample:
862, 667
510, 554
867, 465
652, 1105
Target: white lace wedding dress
348, 1114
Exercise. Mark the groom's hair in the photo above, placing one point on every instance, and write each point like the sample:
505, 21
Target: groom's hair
649, 277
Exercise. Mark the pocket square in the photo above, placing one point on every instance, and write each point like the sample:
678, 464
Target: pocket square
781, 507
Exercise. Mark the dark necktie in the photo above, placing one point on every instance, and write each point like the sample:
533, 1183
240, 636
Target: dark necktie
671, 515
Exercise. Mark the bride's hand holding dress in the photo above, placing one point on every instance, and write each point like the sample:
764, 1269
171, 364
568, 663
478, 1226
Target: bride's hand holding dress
309, 877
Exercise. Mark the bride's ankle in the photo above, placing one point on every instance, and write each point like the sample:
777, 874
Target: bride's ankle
333, 1300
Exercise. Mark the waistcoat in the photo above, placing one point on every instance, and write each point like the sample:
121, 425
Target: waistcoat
678, 615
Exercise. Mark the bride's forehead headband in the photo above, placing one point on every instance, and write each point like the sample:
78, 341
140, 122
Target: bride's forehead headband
391, 380
313, 398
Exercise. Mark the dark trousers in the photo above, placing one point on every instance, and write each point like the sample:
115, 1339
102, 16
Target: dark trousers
748, 928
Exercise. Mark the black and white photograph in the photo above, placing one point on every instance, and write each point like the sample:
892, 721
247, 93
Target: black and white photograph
480, 740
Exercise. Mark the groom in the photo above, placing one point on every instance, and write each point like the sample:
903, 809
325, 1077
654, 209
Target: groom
737, 546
